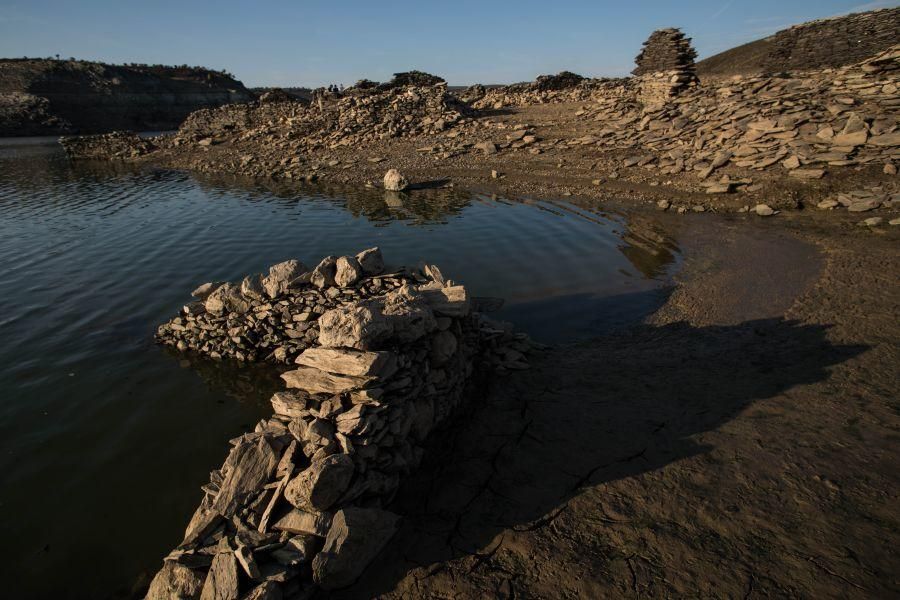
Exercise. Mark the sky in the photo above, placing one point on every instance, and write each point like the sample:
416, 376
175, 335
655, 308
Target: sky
312, 43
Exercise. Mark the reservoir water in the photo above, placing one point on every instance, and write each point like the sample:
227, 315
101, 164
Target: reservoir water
106, 437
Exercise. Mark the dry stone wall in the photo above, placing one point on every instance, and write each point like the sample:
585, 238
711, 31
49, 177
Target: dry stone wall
383, 359
833, 42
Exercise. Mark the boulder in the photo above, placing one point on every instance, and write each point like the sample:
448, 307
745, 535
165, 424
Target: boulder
355, 363
248, 466
303, 522
362, 327
315, 381
175, 582
394, 181
222, 579
290, 404
202, 292
281, 275
319, 487
347, 271
323, 274
252, 287
226, 298
371, 261
355, 538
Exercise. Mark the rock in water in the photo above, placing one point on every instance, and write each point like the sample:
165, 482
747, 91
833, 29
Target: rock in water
281, 275
394, 181
319, 487
764, 210
371, 261
356, 537
175, 581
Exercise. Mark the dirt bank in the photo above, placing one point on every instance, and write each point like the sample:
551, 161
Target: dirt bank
741, 443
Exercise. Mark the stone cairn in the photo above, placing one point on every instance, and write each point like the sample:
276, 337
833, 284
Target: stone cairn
665, 66
381, 361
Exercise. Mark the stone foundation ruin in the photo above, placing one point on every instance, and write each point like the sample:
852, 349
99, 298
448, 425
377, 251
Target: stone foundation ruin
380, 360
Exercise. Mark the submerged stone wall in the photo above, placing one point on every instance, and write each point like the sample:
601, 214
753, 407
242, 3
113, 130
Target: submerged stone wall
382, 360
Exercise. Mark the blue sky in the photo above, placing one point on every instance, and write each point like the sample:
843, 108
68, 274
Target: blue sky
313, 43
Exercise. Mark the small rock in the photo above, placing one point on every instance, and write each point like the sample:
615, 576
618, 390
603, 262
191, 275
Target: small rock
394, 181
487, 147
872, 221
890, 169
763, 210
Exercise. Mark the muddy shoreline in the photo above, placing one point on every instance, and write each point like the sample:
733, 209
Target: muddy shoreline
736, 444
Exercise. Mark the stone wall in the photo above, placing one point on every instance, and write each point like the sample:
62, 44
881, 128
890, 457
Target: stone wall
834, 42
380, 360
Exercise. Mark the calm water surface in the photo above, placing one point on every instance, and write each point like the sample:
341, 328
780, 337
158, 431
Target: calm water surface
107, 437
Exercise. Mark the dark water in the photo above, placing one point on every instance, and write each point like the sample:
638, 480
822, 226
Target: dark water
107, 437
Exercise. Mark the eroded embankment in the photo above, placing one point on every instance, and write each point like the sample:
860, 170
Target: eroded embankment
382, 359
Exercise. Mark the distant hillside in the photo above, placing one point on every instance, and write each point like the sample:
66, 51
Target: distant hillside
46, 96
814, 45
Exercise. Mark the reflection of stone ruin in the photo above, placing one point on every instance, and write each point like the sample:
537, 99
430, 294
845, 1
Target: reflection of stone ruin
665, 66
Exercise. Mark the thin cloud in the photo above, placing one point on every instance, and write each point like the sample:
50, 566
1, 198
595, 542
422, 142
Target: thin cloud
721, 10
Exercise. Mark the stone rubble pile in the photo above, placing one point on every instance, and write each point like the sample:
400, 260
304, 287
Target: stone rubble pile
802, 124
367, 115
862, 200
299, 504
117, 145
547, 89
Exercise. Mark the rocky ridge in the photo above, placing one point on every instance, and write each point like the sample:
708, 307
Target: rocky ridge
299, 503
45, 96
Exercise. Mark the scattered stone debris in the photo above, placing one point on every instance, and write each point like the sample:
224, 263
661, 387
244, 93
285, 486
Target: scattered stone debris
115, 145
803, 124
382, 361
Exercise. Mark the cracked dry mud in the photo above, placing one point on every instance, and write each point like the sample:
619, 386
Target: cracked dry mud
741, 443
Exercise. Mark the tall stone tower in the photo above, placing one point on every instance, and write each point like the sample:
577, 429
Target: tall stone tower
665, 66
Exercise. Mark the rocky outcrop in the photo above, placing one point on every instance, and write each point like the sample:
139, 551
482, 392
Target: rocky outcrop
301, 501
56, 96
826, 43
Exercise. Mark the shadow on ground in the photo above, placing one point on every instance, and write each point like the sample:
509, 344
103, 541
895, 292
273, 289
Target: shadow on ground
625, 405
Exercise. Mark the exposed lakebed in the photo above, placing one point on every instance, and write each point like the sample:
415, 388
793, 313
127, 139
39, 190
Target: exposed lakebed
107, 437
